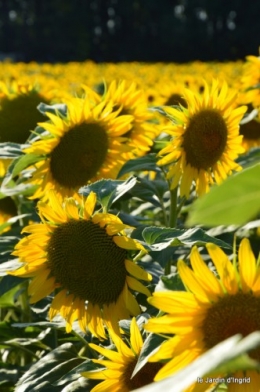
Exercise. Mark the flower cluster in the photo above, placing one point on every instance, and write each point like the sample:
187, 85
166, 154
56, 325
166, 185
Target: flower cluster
102, 171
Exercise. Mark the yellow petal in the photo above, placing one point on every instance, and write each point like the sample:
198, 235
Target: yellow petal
137, 271
176, 363
247, 265
112, 355
208, 280
128, 243
71, 209
174, 302
95, 321
189, 279
137, 286
135, 337
224, 267
89, 205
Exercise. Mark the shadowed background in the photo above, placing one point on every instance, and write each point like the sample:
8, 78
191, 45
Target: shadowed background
128, 30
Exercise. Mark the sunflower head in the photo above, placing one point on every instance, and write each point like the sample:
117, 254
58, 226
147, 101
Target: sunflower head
118, 371
83, 256
18, 110
129, 99
8, 209
206, 139
215, 307
250, 80
84, 146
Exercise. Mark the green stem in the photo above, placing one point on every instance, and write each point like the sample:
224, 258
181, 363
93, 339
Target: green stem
173, 207
85, 351
167, 268
25, 307
164, 213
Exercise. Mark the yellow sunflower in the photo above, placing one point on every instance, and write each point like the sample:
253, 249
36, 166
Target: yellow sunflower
251, 131
250, 80
213, 309
206, 139
129, 99
8, 209
82, 147
81, 255
119, 368
18, 110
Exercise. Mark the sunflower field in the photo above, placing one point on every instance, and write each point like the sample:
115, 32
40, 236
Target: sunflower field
130, 227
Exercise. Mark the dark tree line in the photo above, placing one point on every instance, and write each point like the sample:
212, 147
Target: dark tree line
128, 30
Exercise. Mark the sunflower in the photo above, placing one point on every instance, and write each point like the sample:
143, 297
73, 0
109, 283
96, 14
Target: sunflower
214, 309
18, 110
206, 139
250, 80
129, 99
172, 93
251, 131
118, 370
8, 209
82, 147
82, 256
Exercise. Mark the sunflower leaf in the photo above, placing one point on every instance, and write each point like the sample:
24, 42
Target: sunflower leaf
235, 201
108, 191
49, 369
24, 161
147, 162
58, 108
74, 373
150, 346
7, 284
158, 238
11, 150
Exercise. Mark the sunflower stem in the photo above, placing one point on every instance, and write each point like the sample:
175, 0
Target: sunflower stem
173, 207
167, 268
85, 347
24, 301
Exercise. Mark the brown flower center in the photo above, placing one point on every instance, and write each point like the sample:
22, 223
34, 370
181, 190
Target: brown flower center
84, 259
144, 377
19, 116
79, 155
232, 314
250, 130
205, 139
8, 207
176, 99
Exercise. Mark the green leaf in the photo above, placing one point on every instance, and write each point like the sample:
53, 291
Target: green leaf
158, 238
8, 375
108, 191
11, 150
146, 190
7, 242
250, 158
170, 282
147, 162
8, 288
49, 369
74, 374
25, 161
11, 221
82, 384
235, 201
249, 117
150, 346
58, 108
